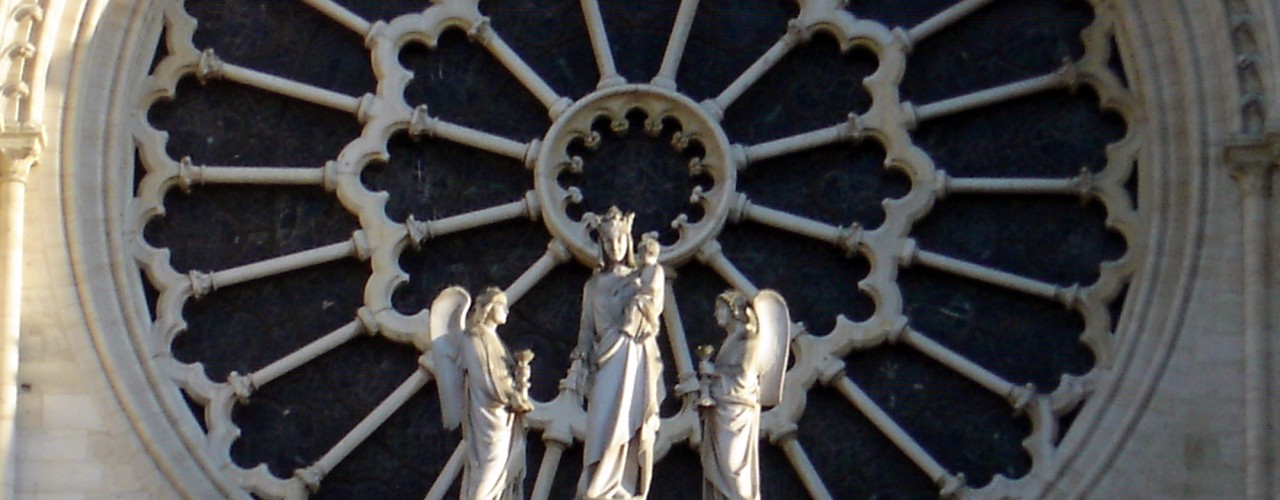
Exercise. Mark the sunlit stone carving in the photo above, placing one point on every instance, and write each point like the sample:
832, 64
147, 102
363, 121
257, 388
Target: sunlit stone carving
747, 374
618, 348
478, 390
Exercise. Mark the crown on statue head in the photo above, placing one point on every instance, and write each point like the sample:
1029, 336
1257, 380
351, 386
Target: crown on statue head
616, 220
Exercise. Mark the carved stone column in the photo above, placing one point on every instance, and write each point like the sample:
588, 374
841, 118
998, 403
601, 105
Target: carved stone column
18, 152
1252, 161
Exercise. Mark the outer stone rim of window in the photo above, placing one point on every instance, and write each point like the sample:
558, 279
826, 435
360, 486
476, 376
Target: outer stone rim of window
381, 240
356, 248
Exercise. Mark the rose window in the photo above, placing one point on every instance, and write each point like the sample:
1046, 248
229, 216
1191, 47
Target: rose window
942, 190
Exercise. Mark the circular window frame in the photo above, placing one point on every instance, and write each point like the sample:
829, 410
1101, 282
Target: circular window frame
98, 209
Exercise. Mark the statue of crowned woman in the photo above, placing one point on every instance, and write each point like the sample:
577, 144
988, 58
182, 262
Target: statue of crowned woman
616, 363
617, 366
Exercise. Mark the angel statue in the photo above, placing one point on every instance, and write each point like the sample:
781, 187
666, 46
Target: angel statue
617, 365
474, 374
747, 374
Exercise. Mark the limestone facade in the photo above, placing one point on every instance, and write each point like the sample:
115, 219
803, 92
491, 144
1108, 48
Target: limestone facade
1188, 409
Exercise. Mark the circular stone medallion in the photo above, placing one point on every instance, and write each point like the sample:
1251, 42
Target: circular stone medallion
694, 133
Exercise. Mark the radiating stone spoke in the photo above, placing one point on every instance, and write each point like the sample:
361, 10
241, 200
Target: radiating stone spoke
558, 421
421, 231
600, 44
943, 19
244, 385
1067, 296
547, 471
713, 256
666, 77
674, 323
1062, 78
786, 439
833, 375
1018, 395
449, 473
340, 14
845, 238
483, 34
422, 124
312, 474
190, 174
850, 130
753, 73
556, 254
213, 68
202, 283
1081, 185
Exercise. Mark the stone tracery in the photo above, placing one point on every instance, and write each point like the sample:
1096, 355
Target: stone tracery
889, 122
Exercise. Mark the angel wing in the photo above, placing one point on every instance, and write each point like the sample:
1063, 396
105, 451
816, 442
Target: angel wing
448, 314
774, 344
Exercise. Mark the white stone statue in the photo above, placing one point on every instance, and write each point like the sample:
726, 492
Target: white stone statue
644, 313
474, 374
617, 364
747, 374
